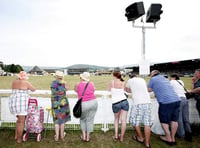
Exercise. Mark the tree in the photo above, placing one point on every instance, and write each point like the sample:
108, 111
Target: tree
12, 68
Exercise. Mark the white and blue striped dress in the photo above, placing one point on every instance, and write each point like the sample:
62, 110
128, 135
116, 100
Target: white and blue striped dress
18, 102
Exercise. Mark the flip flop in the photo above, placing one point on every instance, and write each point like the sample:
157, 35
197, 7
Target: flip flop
115, 139
136, 139
167, 142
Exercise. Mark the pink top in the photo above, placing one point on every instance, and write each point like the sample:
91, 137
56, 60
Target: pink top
89, 93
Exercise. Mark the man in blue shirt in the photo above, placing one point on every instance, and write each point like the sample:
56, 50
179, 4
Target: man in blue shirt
196, 88
169, 104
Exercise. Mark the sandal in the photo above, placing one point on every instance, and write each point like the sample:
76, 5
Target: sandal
115, 139
136, 139
82, 138
55, 138
63, 136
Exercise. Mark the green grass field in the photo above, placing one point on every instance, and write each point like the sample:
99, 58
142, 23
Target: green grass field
99, 139
43, 82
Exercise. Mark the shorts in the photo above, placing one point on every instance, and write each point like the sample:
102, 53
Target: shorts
169, 112
124, 105
141, 113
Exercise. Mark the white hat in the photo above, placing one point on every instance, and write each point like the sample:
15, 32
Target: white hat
59, 74
22, 75
85, 76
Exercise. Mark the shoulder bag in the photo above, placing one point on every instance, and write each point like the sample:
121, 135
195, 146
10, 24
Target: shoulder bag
188, 95
77, 110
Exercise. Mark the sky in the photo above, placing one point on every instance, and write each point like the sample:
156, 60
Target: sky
66, 32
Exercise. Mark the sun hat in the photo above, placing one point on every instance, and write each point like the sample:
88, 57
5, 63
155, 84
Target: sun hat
22, 75
59, 74
85, 76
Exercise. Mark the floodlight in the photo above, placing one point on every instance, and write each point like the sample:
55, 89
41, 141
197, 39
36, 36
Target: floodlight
134, 11
153, 13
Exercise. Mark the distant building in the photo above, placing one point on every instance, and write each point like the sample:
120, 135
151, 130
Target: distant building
183, 68
37, 71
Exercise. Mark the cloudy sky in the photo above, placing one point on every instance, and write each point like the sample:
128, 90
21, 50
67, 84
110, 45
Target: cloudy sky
66, 32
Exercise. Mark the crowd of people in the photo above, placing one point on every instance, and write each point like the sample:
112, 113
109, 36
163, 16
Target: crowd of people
173, 111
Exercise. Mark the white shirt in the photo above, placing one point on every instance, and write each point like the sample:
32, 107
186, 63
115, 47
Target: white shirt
139, 90
178, 87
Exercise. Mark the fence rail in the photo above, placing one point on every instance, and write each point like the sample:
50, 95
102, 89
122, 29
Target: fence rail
104, 116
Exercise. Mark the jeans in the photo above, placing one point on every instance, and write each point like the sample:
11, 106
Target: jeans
183, 121
198, 106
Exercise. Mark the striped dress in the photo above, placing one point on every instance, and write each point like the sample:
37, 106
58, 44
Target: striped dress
18, 102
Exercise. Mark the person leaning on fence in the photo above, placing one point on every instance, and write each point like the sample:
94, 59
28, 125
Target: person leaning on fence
184, 129
89, 105
120, 105
141, 111
196, 88
169, 105
18, 102
60, 105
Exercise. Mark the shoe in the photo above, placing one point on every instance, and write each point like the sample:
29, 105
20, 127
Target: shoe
188, 137
136, 139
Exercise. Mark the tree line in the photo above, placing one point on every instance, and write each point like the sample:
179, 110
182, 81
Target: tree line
12, 68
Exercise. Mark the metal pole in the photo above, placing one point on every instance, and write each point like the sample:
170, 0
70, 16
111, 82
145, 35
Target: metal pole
143, 43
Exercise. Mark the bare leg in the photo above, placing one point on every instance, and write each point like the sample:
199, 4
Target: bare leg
123, 116
57, 132
147, 133
87, 136
139, 133
16, 126
167, 136
116, 124
20, 128
62, 128
174, 127
83, 136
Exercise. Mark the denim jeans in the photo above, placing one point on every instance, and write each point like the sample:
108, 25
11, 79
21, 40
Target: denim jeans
183, 121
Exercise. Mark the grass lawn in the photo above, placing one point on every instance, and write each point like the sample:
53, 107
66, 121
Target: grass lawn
43, 82
99, 139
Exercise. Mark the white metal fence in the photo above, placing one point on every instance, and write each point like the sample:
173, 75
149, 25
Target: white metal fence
104, 115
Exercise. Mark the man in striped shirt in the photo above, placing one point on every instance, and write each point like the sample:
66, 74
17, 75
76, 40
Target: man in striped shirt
169, 104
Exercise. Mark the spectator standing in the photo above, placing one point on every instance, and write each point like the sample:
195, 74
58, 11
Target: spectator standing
169, 104
89, 105
60, 105
184, 129
120, 105
18, 102
141, 111
196, 88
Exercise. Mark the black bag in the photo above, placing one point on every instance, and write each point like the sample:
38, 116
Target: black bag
77, 110
189, 95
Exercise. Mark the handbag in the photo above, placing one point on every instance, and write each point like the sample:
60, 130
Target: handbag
77, 110
188, 95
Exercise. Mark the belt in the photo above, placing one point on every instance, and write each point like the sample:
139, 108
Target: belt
119, 101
